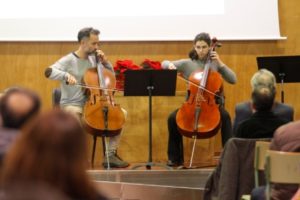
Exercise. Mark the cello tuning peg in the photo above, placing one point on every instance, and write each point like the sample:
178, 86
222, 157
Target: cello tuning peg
214, 40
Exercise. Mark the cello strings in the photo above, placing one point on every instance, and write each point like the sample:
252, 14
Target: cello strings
97, 87
199, 86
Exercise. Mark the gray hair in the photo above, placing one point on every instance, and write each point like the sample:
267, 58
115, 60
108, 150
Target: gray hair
263, 78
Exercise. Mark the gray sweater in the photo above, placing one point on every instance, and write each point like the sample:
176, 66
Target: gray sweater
72, 64
187, 66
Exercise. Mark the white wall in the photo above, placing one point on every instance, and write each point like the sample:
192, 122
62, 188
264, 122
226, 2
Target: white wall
139, 20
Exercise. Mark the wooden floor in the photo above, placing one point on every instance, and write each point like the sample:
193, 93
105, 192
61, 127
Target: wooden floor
159, 166
159, 184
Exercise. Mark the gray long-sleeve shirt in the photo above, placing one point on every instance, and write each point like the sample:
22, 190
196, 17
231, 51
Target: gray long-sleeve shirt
187, 66
72, 64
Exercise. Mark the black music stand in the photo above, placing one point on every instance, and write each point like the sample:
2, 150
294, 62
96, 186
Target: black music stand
285, 69
150, 83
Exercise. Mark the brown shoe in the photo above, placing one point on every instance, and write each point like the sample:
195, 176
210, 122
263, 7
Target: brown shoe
115, 161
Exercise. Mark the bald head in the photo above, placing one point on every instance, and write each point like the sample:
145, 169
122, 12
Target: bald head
17, 106
19, 103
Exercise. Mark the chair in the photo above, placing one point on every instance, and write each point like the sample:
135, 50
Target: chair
56, 94
281, 167
234, 175
261, 148
260, 151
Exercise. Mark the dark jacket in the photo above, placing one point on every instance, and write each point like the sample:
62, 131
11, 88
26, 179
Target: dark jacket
7, 137
244, 110
234, 175
261, 124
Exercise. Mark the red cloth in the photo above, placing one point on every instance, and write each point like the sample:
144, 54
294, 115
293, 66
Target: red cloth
149, 64
120, 67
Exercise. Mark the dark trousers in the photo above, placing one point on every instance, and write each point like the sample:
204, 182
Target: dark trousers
175, 144
258, 193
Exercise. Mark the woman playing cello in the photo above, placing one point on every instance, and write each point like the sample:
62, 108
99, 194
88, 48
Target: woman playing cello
71, 69
198, 58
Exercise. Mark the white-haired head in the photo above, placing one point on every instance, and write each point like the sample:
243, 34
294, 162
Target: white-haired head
263, 78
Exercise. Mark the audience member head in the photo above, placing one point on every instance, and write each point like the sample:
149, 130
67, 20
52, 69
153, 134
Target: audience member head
263, 77
17, 106
263, 98
52, 149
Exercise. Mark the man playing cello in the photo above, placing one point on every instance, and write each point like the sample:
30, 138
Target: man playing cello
70, 69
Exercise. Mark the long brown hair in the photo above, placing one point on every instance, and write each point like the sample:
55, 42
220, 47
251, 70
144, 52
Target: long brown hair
200, 37
52, 150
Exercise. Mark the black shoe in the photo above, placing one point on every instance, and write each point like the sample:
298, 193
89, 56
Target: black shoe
171, 163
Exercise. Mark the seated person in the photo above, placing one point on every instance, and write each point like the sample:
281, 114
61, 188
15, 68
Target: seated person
51, 151
15, 115
199, 55
70, 70
297, 195
263, 122
286, 138
245, 109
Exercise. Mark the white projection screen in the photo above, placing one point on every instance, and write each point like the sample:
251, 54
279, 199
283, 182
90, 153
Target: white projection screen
139, 20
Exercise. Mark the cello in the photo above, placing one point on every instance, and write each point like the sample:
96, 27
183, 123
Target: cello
199, 117
101, 114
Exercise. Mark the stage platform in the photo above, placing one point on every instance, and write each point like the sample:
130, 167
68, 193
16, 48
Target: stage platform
152, 184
